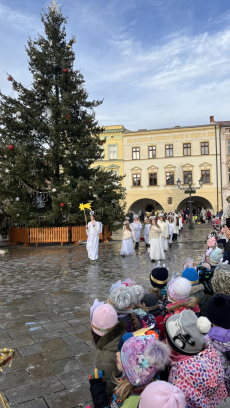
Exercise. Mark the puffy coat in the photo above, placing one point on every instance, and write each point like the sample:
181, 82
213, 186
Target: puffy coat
198, 292
201, 378
106, 359
178, 307
219, 339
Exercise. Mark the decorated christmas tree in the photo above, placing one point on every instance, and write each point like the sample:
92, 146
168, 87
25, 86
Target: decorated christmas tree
49, 139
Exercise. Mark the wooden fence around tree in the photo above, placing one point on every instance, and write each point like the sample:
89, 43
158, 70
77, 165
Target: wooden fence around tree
52, 235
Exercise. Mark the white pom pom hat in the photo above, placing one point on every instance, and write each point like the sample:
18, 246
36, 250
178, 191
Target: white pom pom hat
179, 290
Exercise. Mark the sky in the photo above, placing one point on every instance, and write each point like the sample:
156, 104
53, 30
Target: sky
155, 63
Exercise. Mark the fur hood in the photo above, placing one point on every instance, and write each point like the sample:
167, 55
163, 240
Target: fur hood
113, 336
190, 304
197, 288
156, 291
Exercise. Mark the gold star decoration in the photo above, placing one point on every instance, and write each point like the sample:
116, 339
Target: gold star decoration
54, 7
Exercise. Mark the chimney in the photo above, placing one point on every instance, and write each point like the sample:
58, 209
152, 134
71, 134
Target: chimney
211, 119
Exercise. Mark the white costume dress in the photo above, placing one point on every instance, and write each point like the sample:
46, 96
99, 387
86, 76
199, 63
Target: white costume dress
176, 227
165, 233
171, 229
146, 233
93, 239
136, 230
180, 223
156, 249
127, 243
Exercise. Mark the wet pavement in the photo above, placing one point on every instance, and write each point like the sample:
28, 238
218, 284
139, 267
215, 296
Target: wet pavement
46, 293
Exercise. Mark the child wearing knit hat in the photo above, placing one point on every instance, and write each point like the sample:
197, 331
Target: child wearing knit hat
158, 279
196, 370
106, 332
215, 257
124, 299
151, 303
179, 290
161, 394
197, 289
221, 279
139, 359
218, 312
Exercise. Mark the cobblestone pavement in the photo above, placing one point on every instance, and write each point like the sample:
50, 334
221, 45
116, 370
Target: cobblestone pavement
46, 293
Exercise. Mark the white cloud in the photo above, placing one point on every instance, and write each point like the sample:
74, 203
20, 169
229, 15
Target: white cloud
19, 21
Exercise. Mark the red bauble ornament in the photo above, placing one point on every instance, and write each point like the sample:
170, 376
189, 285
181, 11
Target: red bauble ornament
65, 70
62, 204
82, 92
9, 79
11, 147
68, 116
100, 143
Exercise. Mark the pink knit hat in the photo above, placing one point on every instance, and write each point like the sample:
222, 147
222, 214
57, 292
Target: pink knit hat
211, 242
104, 318
179, 290
161, 394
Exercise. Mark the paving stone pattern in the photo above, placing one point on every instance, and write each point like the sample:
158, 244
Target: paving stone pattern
46, 293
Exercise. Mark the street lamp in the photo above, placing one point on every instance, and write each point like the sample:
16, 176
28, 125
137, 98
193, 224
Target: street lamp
190, 190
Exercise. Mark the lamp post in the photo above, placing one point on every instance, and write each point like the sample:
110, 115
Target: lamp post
190, 190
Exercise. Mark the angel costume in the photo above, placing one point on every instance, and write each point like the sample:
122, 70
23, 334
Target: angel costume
164, 235
176, 227
146, 233
171, 229
180, 222
156, 248
127, 243
136, 231
93, 232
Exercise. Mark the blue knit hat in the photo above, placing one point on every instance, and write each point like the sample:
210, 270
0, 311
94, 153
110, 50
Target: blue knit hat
215, 257
192, 275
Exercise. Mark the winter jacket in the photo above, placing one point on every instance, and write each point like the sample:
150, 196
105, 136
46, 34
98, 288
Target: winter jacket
128, 322
219, 339
100, 400
148, 319
201, 378
162, 296
178, 307
106, 359
198, 292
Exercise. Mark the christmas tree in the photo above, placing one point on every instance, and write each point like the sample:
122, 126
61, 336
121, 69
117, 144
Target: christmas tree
49, 140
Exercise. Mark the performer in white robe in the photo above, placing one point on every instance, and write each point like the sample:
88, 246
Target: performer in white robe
127, 243
180, 222
171, 229
165, 231
136, 230
93, 230
176, 227
156, 250
146, 231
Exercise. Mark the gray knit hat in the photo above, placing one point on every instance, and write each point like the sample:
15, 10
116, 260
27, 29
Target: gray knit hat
124, 298
185, 332
221, 279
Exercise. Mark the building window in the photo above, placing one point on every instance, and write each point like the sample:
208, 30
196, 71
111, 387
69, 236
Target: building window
187, 149
152, 152
153, 179
169, 200
136, 153
170, 178
205, 175
204, 148
229, 174
228, 147
187, 176
169, 151
113, 152
136, 180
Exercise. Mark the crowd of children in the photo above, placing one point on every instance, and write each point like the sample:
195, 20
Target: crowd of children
168, 346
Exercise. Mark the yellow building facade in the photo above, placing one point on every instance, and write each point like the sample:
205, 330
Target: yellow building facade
113, 150
155, 159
